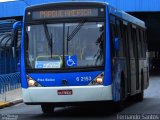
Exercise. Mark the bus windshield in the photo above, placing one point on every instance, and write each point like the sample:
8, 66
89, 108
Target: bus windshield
63, 45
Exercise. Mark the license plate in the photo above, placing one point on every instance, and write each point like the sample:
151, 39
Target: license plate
64, 92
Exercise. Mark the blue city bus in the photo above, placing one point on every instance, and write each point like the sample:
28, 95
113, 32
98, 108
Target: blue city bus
82, 52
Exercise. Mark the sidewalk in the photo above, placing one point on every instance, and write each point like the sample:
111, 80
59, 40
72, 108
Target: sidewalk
10, 98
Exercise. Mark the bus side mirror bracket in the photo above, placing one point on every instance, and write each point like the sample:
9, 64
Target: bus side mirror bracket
17, 25
116, 44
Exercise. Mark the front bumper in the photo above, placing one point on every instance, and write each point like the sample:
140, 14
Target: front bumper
80, 94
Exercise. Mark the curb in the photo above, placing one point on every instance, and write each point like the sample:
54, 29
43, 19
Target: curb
8, 104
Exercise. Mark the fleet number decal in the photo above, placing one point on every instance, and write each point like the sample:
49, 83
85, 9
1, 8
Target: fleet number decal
85, 79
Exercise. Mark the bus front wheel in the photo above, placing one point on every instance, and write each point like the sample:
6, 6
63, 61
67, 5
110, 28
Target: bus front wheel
121, 104
140, 96
47, 108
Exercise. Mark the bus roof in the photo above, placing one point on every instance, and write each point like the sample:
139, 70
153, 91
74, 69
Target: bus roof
63, 3
126, 16
112, 10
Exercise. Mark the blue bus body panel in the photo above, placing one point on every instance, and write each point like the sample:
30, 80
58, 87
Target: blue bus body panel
107, 72
73, 79
126, 16
119, 64
23, 71
118, 67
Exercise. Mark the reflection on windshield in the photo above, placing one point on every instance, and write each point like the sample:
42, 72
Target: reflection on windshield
48, 37
74, 32
38, 46
99, 42
83, 45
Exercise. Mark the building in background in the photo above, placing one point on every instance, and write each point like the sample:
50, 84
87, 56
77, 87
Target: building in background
147, 10
9, 46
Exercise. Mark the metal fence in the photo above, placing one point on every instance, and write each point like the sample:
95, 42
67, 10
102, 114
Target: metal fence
9, 56
9, 82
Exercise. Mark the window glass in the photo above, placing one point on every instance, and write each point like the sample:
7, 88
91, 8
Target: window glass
87, 44
65, 45
132, 43
139, 42
121, 41
144, 44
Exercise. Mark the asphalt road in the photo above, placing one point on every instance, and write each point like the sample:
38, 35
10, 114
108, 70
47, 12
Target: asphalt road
149, 109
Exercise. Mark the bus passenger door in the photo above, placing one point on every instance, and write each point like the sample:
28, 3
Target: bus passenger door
129, 34
126, 37
123, 56
118, 57
134, 60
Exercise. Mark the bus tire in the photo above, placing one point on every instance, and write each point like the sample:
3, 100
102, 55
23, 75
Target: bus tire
140, 96
47, 108
121, 104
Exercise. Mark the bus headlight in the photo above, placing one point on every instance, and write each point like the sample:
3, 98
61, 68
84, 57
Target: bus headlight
98, 80
32, 83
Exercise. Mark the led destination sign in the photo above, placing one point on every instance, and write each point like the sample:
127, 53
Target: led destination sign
47, 14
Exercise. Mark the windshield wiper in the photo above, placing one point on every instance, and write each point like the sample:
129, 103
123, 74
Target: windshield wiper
74, 32
48, 36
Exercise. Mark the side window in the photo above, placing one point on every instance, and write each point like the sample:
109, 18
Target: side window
145, 39
119, 35
139, 43
131, 44
145, 43
112, 34
134, 38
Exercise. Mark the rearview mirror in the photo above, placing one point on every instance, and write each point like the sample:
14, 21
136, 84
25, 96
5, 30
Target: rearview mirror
116, 44
17, 25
